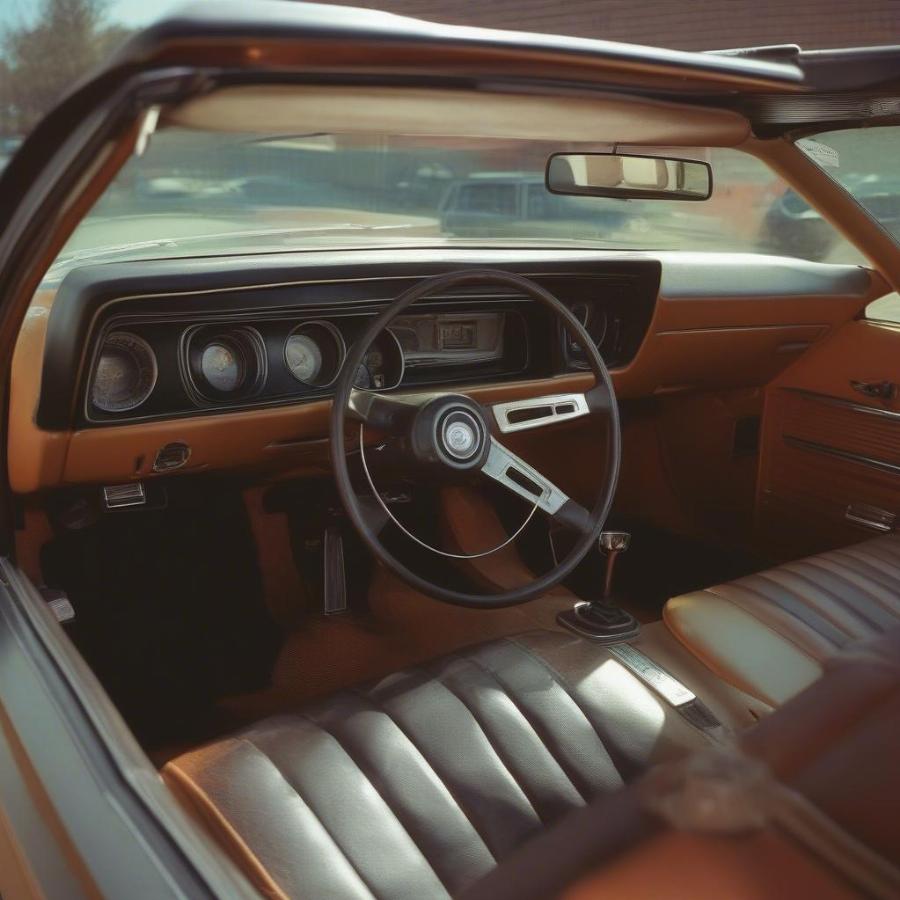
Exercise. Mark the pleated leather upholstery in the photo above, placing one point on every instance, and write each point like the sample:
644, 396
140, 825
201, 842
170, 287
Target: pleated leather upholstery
771, 633
417, 785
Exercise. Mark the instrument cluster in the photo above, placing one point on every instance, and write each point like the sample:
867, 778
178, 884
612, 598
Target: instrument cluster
230, 365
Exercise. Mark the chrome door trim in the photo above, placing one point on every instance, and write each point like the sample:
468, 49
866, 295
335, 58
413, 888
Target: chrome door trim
815, 447
842, 403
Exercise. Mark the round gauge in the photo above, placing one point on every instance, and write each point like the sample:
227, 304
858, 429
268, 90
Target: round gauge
125, 374
597, 326
225, 365
581, 312
593, 318
383, 365
222, 365
304, 357
314, 353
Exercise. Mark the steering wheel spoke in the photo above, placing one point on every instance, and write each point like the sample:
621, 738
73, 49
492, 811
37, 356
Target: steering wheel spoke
387, 413
516, 475
536, 412
599, 399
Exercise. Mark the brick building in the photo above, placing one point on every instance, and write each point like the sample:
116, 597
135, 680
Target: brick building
678, 24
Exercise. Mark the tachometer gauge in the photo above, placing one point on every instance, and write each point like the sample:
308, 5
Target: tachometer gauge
304, 357
125, 375
222, 366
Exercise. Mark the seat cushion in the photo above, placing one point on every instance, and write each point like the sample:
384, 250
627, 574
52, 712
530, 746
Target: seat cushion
417, 785
769, 634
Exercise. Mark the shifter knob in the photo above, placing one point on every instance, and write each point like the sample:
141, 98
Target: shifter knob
614, 541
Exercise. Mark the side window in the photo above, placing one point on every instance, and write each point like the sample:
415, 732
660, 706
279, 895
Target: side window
885, 309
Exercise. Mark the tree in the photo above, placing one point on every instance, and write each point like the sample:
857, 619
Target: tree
44, 60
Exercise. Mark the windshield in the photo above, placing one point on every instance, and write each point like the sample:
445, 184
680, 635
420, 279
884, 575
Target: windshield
198, 193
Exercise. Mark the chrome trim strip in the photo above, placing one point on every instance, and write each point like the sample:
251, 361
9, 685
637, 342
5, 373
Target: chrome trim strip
814, 447
553, 401
829, 400
653, 675
729, 329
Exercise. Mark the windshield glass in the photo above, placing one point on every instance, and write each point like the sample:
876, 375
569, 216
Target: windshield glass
197, 193
864, 162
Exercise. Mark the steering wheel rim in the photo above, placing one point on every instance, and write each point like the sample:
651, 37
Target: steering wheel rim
603, 400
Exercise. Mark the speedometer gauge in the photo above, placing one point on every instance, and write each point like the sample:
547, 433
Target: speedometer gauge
125, 375
304, 357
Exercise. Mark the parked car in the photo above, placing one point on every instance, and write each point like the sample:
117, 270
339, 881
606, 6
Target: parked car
520, 204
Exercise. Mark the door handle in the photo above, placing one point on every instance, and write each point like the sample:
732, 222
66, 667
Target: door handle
883, 390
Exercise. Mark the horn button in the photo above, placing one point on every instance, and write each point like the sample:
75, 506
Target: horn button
460, 435
451, 431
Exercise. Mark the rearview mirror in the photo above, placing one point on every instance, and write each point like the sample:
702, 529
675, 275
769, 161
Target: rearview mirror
628, 177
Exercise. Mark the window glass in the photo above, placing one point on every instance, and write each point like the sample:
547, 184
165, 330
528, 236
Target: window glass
885, 309
195, 192
864, 161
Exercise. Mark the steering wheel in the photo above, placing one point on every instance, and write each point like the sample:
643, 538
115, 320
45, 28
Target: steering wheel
443, 436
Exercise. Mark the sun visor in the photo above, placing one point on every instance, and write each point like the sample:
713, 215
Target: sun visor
601, 119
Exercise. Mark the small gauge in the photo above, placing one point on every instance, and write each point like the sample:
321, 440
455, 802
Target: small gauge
383, 365
581, 311
304, 357
125, 375
593, 318
222, 365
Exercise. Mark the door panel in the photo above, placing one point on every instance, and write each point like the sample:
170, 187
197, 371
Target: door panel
830, 462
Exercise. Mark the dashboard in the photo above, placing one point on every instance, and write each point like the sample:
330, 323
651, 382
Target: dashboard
168, 353
124, 371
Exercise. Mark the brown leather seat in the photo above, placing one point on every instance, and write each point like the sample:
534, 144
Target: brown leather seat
769, 634
417, 785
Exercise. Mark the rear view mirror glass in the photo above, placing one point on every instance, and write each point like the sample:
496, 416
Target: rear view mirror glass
628, 177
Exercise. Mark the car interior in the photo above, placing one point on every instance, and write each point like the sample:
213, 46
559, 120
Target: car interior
478, 560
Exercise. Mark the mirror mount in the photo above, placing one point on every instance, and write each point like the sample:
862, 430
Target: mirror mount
625, 176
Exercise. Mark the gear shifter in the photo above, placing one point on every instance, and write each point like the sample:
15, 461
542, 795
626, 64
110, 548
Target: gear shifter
599, 620
612, 543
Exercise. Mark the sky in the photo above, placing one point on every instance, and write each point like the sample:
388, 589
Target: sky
132, 13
